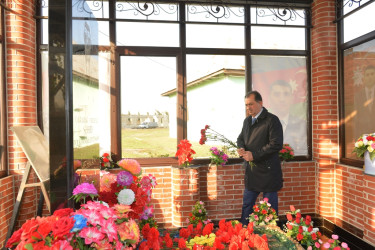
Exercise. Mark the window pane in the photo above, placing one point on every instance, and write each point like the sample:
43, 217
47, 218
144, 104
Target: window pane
215, 91
215, 13
359, 23
277, 38
147, 34
282, 82
91, 109
350, 5
148, 117
90, 8
90, 32
274, 15
147, 11
359, 94
215, 36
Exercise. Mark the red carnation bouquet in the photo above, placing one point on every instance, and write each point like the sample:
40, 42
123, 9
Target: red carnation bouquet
184, 153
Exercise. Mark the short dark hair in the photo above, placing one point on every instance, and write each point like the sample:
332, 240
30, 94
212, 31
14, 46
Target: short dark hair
257, 96
281, 83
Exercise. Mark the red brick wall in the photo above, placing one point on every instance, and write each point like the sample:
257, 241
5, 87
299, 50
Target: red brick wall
6, 205
21, 94
324, 102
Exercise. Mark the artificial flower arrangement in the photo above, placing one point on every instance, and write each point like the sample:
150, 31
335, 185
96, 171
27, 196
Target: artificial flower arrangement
218, 157
229, 235
332, 244
365, 143
94, 226
263, 214
184, 153
106, 161
198, 214
287, 152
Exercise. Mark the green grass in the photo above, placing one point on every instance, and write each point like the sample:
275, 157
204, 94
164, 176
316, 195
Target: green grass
140, 143
144, 143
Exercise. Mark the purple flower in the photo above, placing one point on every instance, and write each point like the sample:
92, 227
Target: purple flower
147, 213
124, 178
85, 188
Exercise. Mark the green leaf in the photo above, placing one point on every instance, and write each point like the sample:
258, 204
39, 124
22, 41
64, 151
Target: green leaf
29, 246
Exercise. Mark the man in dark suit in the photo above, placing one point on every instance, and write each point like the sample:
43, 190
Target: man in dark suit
294, 128
259, 142
364, 101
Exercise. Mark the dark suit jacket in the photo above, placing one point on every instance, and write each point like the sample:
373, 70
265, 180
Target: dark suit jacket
296, 135
264, 139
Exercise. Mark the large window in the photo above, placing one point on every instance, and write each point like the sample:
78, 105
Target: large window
357, 50
149, 74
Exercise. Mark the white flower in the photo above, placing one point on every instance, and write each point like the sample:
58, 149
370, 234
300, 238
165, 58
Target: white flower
359, 144
126, 197
364, 138
268, 204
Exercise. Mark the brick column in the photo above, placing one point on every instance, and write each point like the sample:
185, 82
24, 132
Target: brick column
324, 103
185, 193
21, 91
369, 209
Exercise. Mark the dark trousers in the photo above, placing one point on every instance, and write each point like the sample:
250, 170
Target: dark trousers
249, 198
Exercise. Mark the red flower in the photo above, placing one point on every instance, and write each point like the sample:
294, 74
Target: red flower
292, 208
145, 230
300, 229
184, 152
208, 229
181, 243
313, 236
290, 227
289, 217
105, 155
15, 239
298, 220
298, 215
206, 127
184, 233
62, 227
299, 237
29, 228
63, 212
309, 229
264, 211
105, 159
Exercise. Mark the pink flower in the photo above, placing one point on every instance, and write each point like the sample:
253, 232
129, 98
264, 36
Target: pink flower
85, 188
109, 227
92, 216
130, 165
344, 245
317, 245
327, 245
265, 199
200, 211
373, 145
283, 150
291, 153
292, 208
335, 237
91, 234
201, 202
256, 217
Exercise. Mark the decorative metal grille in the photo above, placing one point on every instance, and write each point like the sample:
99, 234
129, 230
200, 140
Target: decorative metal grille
90, 8
284, 14
216, 11
130, 10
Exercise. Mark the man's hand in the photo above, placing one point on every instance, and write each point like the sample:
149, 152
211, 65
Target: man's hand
248, 156
241, 152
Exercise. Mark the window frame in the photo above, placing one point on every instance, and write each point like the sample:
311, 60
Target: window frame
342, 46
3, 98
180, 53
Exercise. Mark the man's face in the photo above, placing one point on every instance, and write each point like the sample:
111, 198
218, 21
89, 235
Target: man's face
280, 100
252, 107
369, 78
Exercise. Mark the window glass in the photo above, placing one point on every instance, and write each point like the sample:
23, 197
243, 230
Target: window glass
90, 32
215, 13
215, 36
147, 11
359, 23
282, 82
359, 94
215, 97
148, 113
91, 105
147, 34
352, 5
278, 38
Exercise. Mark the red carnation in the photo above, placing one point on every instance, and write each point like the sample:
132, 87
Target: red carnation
181, 243
289, 217
299, 237
63, 212
264, 211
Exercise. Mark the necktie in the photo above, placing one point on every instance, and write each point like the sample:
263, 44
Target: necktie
253, 120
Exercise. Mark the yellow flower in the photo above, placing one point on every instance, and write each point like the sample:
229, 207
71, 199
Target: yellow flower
359, 144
